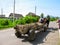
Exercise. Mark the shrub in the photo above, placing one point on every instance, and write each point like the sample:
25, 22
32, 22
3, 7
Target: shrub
53, 19
5, 23
27, 19
31, 19
20, 21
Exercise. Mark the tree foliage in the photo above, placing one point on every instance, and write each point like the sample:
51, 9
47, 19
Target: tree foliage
42, 15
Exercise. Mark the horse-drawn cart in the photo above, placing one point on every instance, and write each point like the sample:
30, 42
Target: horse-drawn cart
30, 29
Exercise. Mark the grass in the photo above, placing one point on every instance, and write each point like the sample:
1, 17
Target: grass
59, 42
4, 27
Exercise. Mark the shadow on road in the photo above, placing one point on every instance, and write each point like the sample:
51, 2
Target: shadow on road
41, 37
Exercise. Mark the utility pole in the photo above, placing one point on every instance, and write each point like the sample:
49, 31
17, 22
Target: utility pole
13, 11
35, 6
35, 9
1, 11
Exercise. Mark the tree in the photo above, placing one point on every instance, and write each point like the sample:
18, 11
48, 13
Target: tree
48, 17
57, 17
42, 15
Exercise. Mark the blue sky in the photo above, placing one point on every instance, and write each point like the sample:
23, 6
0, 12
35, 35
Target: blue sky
51, 7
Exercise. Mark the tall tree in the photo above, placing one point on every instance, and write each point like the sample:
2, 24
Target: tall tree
42, 15
48, 16
57, 17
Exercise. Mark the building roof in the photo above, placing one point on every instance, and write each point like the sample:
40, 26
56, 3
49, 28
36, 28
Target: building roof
32, 14
2, 16
16, 15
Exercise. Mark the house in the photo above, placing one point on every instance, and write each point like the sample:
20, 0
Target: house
2, 16
32, 14
16, 16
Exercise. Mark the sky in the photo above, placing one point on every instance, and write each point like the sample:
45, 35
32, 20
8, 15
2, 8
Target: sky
48, 7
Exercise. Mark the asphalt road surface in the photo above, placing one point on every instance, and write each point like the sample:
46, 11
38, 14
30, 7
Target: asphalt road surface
50, 37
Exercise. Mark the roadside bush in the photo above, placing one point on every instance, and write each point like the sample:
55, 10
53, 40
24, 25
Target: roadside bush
53, 19
6, 23
31, 19
20, 21
27, 19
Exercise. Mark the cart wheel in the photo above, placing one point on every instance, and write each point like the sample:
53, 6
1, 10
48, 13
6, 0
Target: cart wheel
31, 35
18, 34
45, 29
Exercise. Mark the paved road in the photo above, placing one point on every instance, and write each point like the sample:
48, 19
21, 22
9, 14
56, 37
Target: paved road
50, 37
